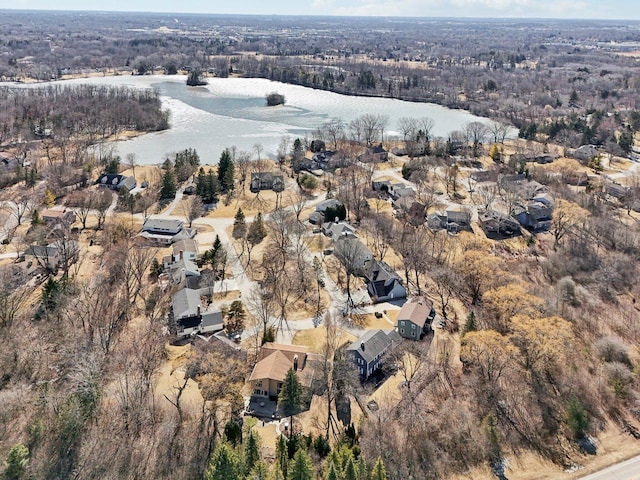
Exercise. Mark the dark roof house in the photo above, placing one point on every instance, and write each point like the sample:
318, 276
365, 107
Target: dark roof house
266, 181
116, 181
368, 350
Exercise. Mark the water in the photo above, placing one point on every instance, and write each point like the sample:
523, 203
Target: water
232, 111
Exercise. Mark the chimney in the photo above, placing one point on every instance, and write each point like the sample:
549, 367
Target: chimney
295, 363
362, 346
337, 220
181, 254
199, 308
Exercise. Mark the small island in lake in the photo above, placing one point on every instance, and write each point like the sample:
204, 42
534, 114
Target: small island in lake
275, 98
195, 78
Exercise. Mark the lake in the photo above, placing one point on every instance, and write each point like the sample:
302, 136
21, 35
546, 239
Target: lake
232, 111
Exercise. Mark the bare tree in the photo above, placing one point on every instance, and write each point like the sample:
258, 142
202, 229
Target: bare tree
334, 131
82, 203
101, 201
193, 208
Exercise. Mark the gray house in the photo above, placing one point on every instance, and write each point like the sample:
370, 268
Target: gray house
164, 231
534, 215
368, 350
187, 317
383, 283
116, 181
266, 181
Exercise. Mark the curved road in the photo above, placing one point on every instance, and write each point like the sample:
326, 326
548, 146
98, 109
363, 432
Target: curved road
627, 470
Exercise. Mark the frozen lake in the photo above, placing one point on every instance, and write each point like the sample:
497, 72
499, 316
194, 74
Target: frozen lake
232, 111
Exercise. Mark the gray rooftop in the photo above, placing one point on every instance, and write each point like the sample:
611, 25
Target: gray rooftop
185, 303
371, 344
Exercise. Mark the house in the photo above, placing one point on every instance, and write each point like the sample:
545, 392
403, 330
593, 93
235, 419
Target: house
58, 217
274, 361
383, 283
415, 318
187, 247
380, 186
585, 152
266, 181
351, 249
399, 190
116, 181
375, 154
8, 163
187, 318
182, 271
337, 230
330, 203
51, 256
494, 222
368, 350
457, 218
534, 215
162, 231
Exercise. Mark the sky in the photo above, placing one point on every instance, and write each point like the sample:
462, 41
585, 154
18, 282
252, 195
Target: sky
594, 9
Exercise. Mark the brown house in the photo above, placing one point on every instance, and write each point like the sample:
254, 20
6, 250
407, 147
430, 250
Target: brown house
274, 361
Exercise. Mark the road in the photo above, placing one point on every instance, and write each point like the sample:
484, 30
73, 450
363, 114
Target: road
627, 470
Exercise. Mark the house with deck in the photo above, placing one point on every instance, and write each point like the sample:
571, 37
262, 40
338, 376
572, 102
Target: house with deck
116, 181
188, 318
164, 231
415, 319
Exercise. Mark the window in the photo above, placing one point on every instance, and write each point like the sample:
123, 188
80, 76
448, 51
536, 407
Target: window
402, 323
413, 326
413, 334
402, 330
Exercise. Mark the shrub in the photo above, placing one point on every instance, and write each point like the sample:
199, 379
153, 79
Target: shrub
612, 349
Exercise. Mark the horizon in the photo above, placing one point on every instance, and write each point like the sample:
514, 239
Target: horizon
436, 9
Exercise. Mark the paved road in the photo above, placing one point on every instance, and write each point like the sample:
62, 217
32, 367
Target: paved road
628, 470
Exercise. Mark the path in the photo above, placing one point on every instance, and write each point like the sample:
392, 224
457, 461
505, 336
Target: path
627, 470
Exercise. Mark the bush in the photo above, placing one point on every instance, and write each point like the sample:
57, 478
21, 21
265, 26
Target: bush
612, 349
274, 99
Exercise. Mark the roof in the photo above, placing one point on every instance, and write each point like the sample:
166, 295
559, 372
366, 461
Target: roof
274, 367
185, 303
371, 344
329, 203
212, 319
185, 245
162, 225
50, 213
339, 229
416, 312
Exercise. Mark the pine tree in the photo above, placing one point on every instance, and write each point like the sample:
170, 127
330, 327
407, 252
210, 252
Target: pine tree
239, 225
17, 461
251, 452
169, 186
379, 472
282, 456
350, 471
332, 473
290, 398
235, 318
258, 472
224, 464
257, 230
35, 218
471, 324
301, 468
226, 172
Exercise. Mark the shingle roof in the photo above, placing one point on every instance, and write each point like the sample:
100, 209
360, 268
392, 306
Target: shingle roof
274, 366
371, 344
185, 303
416, 312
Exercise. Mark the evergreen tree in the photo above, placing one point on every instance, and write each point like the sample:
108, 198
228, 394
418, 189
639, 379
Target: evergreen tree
35, 218
235, 318
258, 472
169, 186
257, 230
332, 473
224, 464
379, 472
17, 461
276, 473
226, 172
301, 467
350, 471
290, 398
239, 225
471, 324
155, 269
251, 452
282, 456
50, 293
